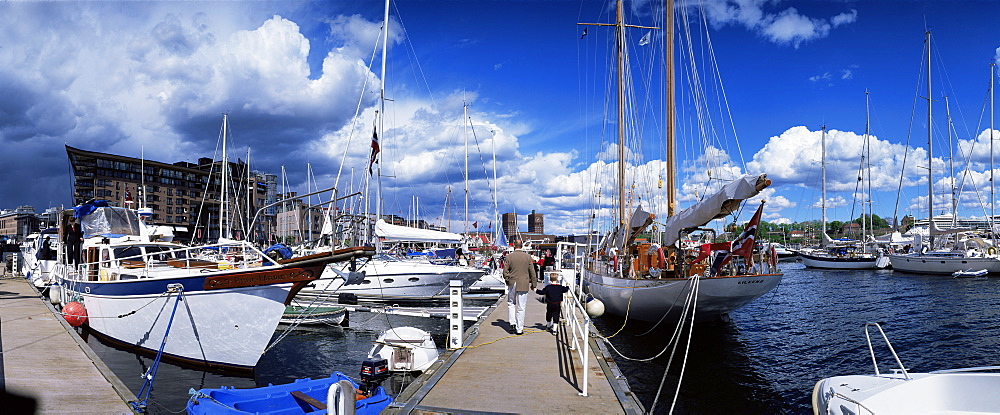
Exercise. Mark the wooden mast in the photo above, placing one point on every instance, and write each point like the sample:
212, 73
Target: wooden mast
668, 44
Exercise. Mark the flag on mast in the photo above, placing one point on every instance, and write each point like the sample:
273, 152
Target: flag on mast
743, 245
375, 149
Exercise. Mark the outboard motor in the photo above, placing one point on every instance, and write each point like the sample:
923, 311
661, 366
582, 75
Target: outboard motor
373, 372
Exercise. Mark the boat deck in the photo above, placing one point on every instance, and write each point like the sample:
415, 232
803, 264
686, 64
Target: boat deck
42, 359
503, 373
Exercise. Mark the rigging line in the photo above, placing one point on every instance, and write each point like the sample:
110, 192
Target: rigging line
909, 134
673, 352
687, 349
689, 302
354, 124
721, 88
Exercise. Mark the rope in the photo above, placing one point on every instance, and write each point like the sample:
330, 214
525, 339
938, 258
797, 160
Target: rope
121, 315
526, 331
139, 404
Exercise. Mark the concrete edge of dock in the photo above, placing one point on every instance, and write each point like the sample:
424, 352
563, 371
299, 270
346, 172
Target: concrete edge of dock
123, 392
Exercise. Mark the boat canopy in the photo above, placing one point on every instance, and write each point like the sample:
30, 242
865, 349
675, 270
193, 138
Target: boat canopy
397, 233
110, 222
716, 206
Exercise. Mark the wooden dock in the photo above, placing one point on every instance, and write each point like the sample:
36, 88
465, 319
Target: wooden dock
533, 373
42, 358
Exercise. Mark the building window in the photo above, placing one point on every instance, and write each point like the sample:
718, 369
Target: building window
170, 210
170, 218
170, 201
170, 192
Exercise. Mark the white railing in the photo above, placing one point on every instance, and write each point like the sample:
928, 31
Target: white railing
578, 324
576, 317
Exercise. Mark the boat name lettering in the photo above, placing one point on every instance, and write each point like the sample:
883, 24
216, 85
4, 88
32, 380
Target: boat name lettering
263, 278
751, 282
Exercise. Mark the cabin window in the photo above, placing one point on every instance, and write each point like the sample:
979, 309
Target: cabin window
105, 258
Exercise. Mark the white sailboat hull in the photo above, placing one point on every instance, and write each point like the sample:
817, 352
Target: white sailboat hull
945, 265
828, 262
655, 300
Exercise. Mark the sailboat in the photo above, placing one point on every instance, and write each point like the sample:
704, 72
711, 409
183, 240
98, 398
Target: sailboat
968, 254
654, 283
386, 277
842, 254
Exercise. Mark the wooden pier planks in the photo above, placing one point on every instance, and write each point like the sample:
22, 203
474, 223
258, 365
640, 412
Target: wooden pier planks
532, 373
42, 359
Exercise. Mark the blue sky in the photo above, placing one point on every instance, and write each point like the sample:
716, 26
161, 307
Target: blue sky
153, 78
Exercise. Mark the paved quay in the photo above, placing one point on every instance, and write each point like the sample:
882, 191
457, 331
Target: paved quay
41, 357
533, 373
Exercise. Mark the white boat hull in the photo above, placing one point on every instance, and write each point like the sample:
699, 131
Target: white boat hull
225, 327
828, 262
924, 393
652, 299
390, 281
929, 264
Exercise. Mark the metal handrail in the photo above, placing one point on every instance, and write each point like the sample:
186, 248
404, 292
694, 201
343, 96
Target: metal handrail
871, 350
577, 320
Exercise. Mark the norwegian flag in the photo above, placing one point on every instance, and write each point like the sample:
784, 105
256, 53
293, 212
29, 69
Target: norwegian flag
705, 250
375, 149
743, 245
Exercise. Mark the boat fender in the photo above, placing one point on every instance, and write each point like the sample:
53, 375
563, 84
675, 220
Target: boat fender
991, 250
55, 293
614, 262
341, 398
75, 314
923, 250
595, 308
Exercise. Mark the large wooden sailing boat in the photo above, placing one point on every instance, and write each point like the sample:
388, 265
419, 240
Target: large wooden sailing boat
684, 279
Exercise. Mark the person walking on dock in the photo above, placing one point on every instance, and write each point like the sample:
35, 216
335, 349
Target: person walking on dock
519, 274
553, 302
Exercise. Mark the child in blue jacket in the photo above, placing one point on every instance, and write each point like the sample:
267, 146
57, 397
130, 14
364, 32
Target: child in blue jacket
553, 302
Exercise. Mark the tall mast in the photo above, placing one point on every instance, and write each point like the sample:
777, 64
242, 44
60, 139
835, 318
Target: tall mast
496, 205
951, 166
866, 193
620, 37
668, 45
465, 123
225, 178
381, 120
822, 163
993, 199
930, 144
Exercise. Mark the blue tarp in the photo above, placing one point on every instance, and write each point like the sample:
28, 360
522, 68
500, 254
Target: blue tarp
88, 208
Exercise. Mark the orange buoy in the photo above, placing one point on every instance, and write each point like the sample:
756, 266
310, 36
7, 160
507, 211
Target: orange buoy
75, 314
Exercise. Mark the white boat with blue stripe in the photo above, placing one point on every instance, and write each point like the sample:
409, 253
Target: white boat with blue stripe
220, 304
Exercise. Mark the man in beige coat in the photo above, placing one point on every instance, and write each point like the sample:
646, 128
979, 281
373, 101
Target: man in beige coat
519, 274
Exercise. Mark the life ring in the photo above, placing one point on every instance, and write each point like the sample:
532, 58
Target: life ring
991, 250
662, 258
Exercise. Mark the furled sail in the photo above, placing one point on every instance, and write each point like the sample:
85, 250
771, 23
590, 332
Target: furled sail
391, 232
720, 204
637, 224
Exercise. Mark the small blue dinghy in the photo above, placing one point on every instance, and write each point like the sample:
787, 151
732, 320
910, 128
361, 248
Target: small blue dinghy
331, 395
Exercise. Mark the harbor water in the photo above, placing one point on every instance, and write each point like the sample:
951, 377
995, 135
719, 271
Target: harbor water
765, 360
